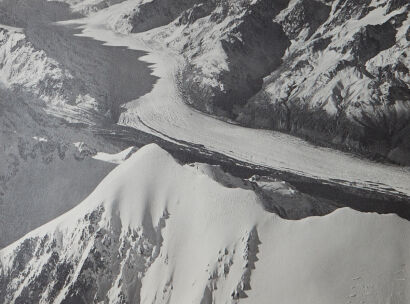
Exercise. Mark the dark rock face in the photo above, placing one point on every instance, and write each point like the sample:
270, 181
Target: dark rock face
395, 4
371, 40
262, 45
348, 9
306, 14
160, 12
249, 60
253, 45
196, 12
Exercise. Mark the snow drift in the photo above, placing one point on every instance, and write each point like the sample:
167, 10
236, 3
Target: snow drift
155, 231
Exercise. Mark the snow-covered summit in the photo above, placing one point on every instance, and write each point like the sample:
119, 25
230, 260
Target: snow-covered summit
155, 231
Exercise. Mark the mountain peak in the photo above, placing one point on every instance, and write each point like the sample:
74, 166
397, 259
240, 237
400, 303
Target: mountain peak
156, 231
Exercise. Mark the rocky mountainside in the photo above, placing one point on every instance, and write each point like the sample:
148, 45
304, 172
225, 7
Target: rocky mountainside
344, 80
44, 141
155, 231
53, 98
335, 72
40, 156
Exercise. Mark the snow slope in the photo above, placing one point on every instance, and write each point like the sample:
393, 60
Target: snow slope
155, 231
117, 158
162, 112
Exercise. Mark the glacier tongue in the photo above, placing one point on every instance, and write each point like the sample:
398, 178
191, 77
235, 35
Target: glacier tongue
155, 231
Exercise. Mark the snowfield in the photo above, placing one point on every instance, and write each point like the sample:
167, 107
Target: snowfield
155, 231
163, 113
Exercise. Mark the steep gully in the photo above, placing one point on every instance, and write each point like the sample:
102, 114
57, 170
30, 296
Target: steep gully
115, 76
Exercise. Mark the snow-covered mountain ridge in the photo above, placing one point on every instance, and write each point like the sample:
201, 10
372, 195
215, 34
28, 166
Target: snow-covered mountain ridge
335, 72
155, 231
